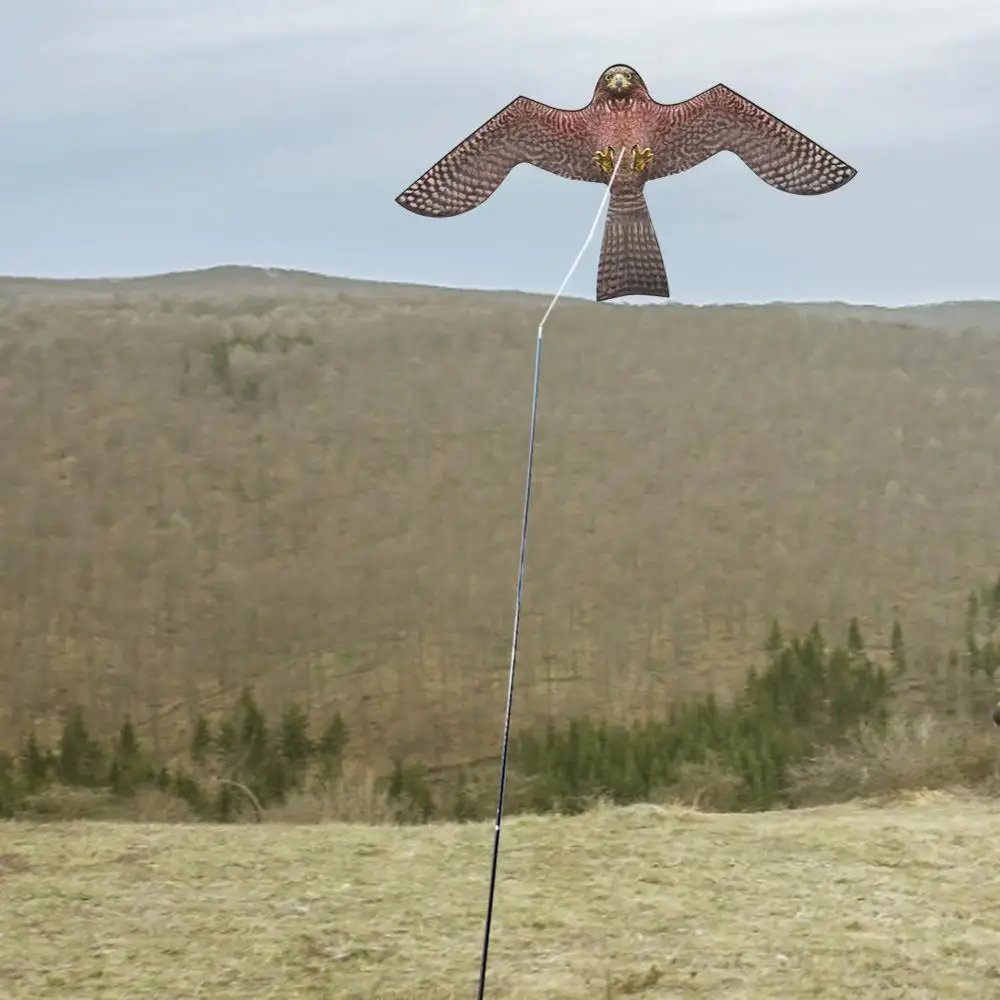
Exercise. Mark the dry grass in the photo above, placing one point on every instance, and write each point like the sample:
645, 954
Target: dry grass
911, 754
356, 796
334, 517
840, 901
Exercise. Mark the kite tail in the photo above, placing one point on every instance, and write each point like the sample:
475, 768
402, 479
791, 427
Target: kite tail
631, 263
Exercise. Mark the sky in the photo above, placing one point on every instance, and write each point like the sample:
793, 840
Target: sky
143, 136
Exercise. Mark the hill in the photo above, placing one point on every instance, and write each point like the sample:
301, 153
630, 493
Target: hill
232, 279
314, 486
852, 900
951, 317
228, 280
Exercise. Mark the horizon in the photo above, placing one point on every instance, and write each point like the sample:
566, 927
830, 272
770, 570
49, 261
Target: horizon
280, 270
207, 131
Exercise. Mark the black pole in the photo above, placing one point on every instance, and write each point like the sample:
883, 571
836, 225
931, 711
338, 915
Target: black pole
513, 668
520, 587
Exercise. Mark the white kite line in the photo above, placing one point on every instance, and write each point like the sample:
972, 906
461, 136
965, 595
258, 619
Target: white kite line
520, 584
586, 243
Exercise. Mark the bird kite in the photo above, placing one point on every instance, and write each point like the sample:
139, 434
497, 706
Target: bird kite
657, 139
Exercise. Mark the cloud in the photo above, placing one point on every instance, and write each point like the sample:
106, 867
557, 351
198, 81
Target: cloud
127, 74
281, 131
215, 59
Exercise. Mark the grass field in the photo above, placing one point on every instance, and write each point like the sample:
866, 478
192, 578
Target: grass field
863, 901
314, 486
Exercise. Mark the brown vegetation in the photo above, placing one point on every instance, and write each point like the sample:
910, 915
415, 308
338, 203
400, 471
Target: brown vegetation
643, 902
315, 488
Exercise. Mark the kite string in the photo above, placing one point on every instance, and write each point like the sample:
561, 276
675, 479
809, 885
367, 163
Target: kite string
586, 243
520, 585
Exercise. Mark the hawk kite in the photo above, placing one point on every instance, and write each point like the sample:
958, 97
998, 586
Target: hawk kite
658, 139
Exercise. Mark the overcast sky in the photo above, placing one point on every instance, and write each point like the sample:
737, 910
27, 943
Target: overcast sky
139, 136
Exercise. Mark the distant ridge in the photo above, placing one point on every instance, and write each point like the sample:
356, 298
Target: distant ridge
951, 316
229, 279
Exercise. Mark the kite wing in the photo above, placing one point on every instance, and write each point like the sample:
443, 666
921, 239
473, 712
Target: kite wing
525, 131
683, 135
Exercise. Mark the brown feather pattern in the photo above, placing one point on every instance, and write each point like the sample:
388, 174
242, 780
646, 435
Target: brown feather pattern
622, 115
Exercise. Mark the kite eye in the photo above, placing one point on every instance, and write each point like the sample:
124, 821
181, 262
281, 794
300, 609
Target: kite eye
607, 76
628, 76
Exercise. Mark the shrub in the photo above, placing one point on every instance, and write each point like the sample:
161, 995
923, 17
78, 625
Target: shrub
805, 697
811, 724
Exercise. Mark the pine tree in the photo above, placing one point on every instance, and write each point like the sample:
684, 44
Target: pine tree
80, 759
201, 740
775, 640
36, 766
898, 649
855, 642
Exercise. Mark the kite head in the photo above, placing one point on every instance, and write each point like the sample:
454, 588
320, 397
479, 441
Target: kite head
619, 81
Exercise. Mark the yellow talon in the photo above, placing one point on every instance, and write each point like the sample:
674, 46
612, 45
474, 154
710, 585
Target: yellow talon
641, 158
605, 159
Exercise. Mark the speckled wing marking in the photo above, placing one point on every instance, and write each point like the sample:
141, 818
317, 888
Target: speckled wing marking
630, 261
525, 131
683, 135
